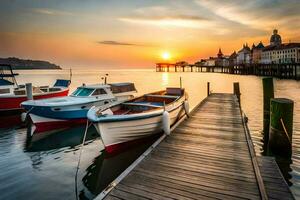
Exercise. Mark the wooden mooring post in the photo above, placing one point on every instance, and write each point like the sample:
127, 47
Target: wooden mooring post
281, 127
208, 88
268, 94
236, 91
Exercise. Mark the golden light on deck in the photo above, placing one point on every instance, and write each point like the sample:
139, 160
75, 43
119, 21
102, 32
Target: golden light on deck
166, 55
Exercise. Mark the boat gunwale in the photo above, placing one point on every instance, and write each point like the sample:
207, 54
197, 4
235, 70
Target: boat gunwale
12, 96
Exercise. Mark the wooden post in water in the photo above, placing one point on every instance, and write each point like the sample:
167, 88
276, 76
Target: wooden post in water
268, 94
281, 127
28, 87
236, 91
208, 89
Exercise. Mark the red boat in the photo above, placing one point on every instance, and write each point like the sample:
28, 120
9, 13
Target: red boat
12, 94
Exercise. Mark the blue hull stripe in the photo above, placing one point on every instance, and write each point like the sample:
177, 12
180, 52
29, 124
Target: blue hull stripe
47, 112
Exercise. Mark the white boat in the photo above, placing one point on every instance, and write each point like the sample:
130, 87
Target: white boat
64, 112
139, 118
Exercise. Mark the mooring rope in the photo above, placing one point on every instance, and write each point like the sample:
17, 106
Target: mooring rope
285, 131
79, 159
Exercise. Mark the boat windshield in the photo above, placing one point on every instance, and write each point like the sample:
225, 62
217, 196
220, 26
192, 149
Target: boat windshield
83, 92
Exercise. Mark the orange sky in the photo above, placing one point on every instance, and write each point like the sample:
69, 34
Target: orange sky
134, 33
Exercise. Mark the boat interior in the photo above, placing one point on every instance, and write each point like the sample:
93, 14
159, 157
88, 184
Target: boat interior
20, 90
148, 102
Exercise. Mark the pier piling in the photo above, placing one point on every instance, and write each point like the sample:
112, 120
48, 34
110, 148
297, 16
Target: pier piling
208, 88
281, 127
268, 94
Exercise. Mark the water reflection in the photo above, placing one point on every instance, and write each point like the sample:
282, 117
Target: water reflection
58, 143
165, 78
106, 167
11, 121
67, 138
103, 169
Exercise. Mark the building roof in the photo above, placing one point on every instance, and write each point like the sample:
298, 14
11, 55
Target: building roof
281, 46
260, 45
245, 48
233, 55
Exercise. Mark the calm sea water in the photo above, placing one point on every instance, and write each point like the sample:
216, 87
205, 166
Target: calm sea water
46, 169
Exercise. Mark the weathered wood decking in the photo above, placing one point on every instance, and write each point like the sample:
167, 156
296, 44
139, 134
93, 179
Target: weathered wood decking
206, 157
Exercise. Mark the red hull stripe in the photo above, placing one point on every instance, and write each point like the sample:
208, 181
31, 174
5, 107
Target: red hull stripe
9, 103
49, 126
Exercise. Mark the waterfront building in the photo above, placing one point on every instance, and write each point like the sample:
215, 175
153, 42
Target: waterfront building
278, 52
232, 59
256, 53
244, 55
221, 60
284, 53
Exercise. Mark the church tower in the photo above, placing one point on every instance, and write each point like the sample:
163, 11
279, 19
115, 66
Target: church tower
220, 54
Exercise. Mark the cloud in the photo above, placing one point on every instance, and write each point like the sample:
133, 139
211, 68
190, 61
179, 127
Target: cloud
185, 21
170, 17
256, 13
45, 11
111, 42
165, 17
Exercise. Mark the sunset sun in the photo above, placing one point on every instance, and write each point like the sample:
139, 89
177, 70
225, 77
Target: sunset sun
166, 55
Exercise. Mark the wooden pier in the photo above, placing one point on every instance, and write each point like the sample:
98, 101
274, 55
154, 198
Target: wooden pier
284, 71
208, 156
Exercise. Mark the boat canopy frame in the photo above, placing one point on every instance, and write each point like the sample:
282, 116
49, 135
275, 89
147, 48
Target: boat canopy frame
6, 72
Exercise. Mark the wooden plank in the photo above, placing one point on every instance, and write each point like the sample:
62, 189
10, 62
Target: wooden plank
208, 156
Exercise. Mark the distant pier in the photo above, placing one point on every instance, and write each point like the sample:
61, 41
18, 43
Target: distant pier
207, 156
284, 71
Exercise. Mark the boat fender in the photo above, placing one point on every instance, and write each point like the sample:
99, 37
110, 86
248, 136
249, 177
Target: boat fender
186, 107
24, 117
166, 122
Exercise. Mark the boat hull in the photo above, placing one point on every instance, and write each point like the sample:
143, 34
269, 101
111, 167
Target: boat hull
118, 134
13, 104
42, 125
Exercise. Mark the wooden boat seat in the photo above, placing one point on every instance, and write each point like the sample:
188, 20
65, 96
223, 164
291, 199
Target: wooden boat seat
147, 104
162, 96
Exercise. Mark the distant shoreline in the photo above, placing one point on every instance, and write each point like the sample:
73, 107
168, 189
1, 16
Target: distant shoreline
27, 69
21, 64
